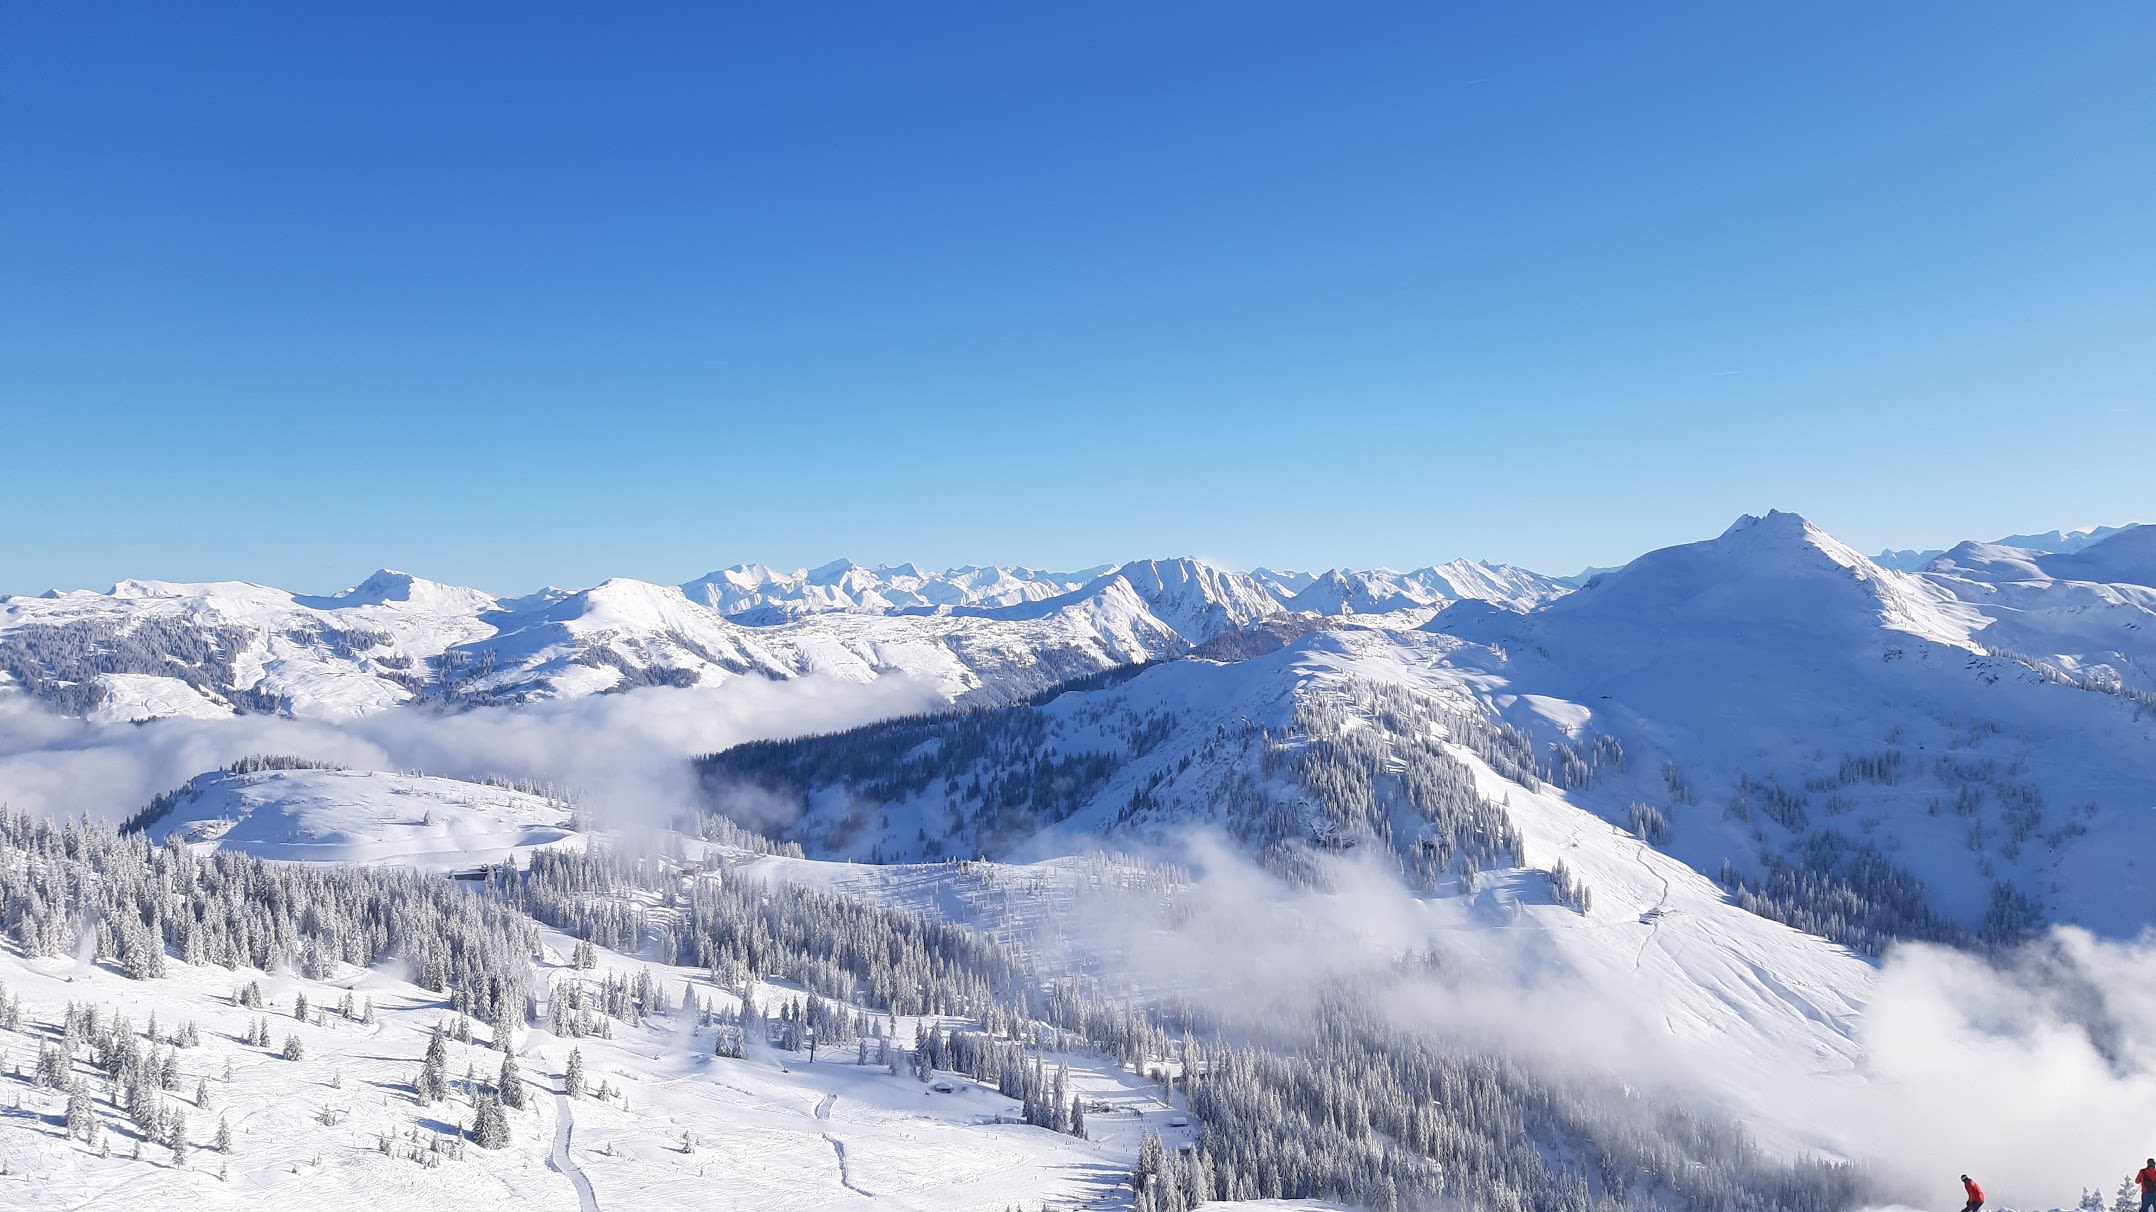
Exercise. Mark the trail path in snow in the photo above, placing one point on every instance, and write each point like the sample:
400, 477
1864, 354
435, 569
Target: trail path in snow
845, 1175
1653, 916
560, 1162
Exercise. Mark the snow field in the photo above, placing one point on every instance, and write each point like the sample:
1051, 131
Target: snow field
361, 816
764, 1132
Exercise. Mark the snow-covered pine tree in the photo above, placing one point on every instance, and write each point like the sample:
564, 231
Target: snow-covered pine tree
510, 1084
490, 1124
432, 1084
81, 1112
176, 1136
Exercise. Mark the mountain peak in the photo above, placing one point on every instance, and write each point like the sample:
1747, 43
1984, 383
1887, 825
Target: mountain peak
1775, 523
382, 585
1774, 568
388, 586
825, 574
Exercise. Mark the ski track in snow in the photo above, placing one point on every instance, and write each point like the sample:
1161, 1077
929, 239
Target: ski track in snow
845, 1175
560, 1162
1653, 916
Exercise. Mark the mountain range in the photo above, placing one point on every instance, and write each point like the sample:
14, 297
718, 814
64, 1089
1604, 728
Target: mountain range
146, 649
1685, 810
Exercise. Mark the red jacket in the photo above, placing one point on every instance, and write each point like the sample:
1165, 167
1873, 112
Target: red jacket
1976, 1193
2147, 1178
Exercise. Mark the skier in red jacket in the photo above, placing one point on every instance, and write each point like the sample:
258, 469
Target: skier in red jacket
1976, 1194
2147, 1180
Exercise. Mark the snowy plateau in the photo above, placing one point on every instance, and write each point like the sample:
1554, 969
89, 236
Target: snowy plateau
1754, 873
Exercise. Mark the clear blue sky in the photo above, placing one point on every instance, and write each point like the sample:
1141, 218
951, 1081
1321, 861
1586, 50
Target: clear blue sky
518, 293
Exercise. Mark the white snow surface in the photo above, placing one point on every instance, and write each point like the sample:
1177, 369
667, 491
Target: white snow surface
364, 816
765, 1132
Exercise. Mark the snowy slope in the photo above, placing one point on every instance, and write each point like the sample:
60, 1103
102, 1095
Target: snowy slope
363, 816
769, 1131
1768, 692
1663, 960
1795, 688
2090, 614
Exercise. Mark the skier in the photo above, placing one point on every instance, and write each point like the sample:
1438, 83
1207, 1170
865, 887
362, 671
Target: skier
1976, 1194
2147, 1179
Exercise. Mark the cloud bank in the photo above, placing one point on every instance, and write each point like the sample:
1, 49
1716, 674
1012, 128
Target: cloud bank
619, 756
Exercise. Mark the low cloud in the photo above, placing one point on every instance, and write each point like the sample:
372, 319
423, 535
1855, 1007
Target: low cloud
2035, 1073
620, 756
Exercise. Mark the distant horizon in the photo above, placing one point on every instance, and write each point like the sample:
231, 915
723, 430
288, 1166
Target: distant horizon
1097, 566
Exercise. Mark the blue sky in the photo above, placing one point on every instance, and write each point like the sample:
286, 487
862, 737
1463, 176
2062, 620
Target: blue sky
510, 294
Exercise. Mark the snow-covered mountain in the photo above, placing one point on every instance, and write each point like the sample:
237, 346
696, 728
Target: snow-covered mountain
1770, 699
2058, 542
760, 595
1802, 713
1343, 591
146, 649
1688, 802
151, 650
2089, 615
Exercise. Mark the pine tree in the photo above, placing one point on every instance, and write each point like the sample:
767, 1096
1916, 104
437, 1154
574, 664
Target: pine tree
52, 1068
572, 1079
510, 1084
81, 1112
224, 1135
292, 1049
432, 1084
490, 1124
176, 1136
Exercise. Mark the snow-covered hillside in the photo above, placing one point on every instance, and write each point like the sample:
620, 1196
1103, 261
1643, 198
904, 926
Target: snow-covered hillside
1776, 694
361, 816
158, 1090
1770, 700
612, 1031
